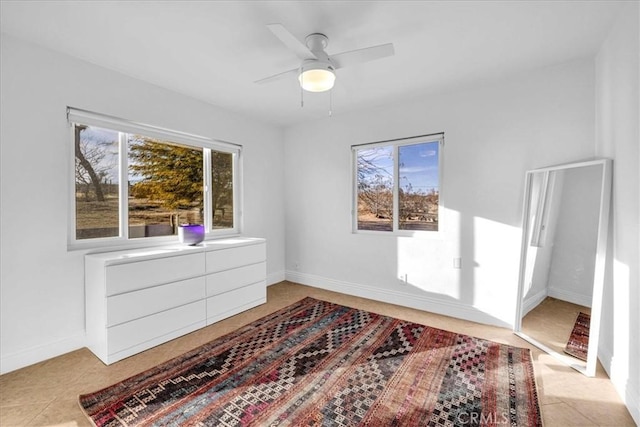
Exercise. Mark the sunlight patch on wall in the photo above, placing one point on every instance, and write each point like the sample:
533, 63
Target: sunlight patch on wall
420, 265
496, 266
426, 262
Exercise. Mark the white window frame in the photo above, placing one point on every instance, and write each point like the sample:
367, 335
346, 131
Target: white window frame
83, 117
395, 144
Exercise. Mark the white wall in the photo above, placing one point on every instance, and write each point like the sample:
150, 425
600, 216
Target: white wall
494, 132
617, 137
42, 295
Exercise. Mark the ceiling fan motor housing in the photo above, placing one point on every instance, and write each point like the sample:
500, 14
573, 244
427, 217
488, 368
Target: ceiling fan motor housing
316, 64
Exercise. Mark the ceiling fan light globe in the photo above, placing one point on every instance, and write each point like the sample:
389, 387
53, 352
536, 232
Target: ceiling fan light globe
317, 80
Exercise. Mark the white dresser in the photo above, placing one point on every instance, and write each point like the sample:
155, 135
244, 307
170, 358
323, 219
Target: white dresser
138, 299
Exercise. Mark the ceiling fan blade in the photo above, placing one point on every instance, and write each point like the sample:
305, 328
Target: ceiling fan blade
278, 76
289, 40
359, 56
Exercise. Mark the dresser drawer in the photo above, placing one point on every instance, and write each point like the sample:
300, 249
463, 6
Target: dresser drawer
138, 331
219, 260
232, 302
224, 281
134, 305
132, 276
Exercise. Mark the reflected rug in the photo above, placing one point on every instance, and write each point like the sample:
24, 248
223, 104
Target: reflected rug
316, 363
578, 343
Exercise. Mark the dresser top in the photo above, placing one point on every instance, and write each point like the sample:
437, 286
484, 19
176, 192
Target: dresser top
133, 255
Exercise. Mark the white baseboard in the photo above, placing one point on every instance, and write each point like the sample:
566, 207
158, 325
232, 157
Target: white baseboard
276, 277
571, 297
628, 393
533, 301
29, 356
420, 302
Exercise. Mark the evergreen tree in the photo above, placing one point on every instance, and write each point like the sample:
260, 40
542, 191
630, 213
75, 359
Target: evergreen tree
171, 174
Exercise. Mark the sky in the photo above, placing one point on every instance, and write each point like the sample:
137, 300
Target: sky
418, 164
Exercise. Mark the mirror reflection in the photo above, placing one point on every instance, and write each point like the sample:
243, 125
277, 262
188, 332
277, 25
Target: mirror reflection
563, 226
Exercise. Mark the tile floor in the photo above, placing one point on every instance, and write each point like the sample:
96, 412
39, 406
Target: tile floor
45, 394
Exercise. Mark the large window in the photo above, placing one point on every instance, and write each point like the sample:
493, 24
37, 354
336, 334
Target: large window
134, 181
397, 185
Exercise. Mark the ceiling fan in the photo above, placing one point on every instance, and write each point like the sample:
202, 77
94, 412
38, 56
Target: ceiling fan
317, 70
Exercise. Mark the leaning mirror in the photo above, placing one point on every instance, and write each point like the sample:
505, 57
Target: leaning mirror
564, 239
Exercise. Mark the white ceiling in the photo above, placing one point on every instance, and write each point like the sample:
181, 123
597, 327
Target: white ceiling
215, 50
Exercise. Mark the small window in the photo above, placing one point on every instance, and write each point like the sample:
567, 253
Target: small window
134, 181
397, 185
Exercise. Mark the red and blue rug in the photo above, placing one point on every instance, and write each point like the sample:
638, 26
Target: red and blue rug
578, 343
315, 363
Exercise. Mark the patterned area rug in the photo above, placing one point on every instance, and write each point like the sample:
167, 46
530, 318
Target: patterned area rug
578, 343
316, 363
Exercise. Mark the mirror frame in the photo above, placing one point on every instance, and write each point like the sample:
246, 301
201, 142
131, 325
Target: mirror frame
599, 272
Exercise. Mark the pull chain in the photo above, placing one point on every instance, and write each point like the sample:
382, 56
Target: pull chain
330, 102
